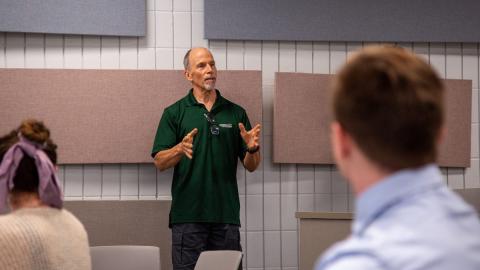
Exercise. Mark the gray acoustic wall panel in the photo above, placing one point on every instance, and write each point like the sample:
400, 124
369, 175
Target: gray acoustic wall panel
346, 20
85, 17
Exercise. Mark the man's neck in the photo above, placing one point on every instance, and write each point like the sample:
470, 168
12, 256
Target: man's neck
365, 174
205, 97
365, 181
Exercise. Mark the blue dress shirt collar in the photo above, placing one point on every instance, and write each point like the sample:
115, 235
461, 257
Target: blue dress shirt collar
392, 189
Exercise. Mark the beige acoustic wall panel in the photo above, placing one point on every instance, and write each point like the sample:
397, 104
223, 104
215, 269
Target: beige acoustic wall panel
455, 151
108, 116
302, 115
301, 118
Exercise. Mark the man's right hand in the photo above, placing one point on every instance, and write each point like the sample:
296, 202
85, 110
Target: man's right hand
187, 143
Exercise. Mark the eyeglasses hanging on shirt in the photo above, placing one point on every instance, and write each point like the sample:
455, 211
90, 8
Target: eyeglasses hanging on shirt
214, 128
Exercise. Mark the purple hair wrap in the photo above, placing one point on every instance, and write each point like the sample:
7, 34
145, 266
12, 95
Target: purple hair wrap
49, 188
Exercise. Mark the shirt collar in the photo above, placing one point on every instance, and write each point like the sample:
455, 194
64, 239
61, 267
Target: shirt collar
390, 190
192, 101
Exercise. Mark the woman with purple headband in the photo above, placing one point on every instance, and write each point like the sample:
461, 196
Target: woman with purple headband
37, 233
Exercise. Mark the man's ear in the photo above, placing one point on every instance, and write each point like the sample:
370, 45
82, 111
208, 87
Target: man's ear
188, 75
341, 141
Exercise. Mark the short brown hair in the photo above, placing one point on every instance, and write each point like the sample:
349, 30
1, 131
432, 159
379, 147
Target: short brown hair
391, 102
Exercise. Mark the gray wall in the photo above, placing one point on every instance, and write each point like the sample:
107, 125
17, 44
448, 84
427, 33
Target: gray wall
85, 17
346, 20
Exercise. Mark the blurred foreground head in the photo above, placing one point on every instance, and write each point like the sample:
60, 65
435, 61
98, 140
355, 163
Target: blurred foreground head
390, 102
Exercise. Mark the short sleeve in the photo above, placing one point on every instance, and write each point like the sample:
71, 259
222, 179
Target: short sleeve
165, 137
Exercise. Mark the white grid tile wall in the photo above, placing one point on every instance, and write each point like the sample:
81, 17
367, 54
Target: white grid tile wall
271, 195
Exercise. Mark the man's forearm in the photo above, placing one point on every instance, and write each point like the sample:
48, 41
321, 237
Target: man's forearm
251, 161
168, 158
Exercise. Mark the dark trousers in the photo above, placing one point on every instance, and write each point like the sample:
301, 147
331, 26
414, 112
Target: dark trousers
190, 239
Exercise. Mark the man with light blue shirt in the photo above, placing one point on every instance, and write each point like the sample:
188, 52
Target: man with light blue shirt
389, 111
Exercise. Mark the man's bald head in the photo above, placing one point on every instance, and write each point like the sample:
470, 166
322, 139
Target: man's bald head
186, 58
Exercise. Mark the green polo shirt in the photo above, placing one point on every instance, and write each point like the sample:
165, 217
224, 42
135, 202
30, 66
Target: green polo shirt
204, 189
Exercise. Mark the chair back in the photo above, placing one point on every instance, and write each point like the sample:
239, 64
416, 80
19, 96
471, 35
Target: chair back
125, 258
219, 260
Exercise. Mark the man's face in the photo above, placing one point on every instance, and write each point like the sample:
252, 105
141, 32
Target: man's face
201, 70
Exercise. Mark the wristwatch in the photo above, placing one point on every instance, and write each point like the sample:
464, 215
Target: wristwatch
253, 150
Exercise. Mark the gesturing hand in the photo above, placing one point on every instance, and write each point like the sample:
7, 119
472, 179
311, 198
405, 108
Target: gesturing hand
251, 137
187, 143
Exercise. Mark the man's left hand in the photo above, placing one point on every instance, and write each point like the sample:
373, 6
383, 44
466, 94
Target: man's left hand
251, 137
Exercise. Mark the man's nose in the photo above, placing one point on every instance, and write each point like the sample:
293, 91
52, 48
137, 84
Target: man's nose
209, 68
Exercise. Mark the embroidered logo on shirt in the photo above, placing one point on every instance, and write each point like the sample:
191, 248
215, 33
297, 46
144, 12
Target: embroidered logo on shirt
226, 125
